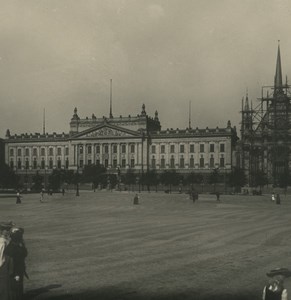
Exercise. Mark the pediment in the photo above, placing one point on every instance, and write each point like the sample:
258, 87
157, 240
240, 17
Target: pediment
106, 131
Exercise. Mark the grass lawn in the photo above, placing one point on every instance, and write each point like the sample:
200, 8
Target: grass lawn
101, 246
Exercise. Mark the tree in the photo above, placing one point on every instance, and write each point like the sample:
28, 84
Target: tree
129, 177
214, 178
55, 180
194, 178
150, 178
237, 178
112, 180
68, 176
37, 182
94, 174
260, 179
170, 178
8, 178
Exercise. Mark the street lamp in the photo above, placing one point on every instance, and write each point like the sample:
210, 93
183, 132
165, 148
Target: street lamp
180, 186
118, 178
138, 182
77, 184
77, 174
224, 178
216, 177
44, 181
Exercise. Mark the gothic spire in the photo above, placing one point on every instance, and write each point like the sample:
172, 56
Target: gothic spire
110, 112
247, 106
278, 75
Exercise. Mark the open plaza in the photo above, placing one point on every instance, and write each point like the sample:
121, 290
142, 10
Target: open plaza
101, 246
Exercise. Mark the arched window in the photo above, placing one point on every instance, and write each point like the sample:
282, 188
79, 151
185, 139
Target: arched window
19, 163
172, 162
191, 161
51, 163
42, 163
201, 162
26, 164
59, 163
163, 165
67, 163
182, 162
211, 162
153, 162
221, 161
34, 163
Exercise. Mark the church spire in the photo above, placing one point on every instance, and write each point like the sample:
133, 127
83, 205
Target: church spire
278, 76
247, 106
110, 112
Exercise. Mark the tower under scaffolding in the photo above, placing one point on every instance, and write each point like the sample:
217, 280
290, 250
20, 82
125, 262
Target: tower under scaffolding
266, 133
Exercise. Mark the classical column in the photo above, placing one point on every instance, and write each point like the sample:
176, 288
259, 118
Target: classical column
84, 154
30, 157
93, 153
109, 155
138, 155
216, 155
63, 157
127, 154
206, 150
101, 154
118, 155
55, 156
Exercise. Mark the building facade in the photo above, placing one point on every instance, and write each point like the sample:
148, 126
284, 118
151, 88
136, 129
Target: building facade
2, 151
120, 144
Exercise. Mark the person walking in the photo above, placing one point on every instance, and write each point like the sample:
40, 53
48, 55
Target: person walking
17, 252
135, 199
278, 200
217, 196
41, 195
18, 198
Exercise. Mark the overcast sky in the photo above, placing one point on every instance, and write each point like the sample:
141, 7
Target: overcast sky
61, 54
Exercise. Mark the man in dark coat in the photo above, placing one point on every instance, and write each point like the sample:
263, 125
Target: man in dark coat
17, 251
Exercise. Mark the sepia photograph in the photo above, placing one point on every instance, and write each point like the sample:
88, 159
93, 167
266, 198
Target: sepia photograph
145, 150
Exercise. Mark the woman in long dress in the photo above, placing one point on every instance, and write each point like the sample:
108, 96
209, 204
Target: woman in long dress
5, 262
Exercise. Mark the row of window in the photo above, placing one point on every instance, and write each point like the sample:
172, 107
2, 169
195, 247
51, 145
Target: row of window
123, 163
191, 148
27, 151
191, 163
106, 149
114, 149
42, 164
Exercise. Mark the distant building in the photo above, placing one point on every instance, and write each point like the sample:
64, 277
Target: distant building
2, 152
264, 149
122, 143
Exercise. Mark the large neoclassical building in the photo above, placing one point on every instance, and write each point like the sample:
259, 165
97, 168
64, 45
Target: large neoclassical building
133, 142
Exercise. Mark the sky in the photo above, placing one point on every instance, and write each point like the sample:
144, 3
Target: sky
61, 54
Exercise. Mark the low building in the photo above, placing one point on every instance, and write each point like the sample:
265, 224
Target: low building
122, 143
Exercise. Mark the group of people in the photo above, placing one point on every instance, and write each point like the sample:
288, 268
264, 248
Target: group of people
12, 262
276, 198
275, 289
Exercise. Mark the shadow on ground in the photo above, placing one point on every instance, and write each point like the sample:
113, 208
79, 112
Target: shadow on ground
112, 293
32, 294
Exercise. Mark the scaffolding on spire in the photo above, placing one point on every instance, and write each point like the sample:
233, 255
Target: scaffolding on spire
265, 137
